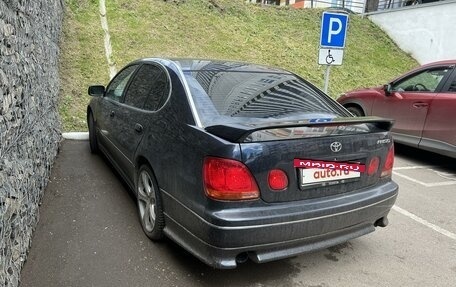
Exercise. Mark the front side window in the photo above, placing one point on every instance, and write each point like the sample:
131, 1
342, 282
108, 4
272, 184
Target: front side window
425, 81
118, 84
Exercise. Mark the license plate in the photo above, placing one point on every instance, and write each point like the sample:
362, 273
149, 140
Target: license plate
318, 176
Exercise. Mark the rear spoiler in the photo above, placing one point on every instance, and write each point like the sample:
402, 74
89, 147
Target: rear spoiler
238, 132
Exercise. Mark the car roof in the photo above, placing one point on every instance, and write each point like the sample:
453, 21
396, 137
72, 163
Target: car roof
213, 86
439, 63
194, 64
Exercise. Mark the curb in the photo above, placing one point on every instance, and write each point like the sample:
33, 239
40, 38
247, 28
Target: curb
79, 136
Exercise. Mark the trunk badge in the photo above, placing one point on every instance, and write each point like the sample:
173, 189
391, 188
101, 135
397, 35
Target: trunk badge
336, 146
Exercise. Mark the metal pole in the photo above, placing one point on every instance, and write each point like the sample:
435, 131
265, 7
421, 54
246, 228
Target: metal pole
328, 67
364, 8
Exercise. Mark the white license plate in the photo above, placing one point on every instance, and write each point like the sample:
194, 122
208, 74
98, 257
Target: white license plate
311, 176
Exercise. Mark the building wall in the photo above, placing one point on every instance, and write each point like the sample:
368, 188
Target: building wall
298, 3
426, 31
29, 123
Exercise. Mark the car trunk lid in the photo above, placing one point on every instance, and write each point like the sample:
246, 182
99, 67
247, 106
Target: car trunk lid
320, 157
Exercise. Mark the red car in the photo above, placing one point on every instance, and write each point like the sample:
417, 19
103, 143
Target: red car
422, 102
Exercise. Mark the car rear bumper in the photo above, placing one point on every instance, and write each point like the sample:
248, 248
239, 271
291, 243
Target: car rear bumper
277, 231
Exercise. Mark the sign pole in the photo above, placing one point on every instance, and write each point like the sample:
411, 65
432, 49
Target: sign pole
328, 68
332, 41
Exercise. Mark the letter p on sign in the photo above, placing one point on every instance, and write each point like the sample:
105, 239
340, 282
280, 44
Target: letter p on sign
333, 30
334, 22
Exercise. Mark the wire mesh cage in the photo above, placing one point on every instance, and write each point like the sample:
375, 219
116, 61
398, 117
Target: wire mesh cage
29, 123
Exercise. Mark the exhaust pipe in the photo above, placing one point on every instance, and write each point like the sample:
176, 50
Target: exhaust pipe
242, 257
382, 222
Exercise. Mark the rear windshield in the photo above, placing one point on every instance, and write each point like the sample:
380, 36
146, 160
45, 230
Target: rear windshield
255, 96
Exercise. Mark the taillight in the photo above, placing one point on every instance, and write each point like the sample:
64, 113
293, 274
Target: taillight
277, 179
227, 179
388, 167
373, 166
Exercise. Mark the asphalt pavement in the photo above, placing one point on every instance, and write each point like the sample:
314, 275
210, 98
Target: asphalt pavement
89, 235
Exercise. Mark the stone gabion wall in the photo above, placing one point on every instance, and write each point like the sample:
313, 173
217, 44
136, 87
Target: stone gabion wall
29, 123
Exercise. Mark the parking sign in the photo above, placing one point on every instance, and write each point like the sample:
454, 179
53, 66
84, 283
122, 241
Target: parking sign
333, 30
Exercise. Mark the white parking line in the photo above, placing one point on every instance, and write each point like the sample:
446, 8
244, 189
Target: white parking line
433, 184
428, 167
413, 167
425, 222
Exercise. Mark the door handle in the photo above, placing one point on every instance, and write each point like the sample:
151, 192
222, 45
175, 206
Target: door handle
138, 128
420, 105
112, 114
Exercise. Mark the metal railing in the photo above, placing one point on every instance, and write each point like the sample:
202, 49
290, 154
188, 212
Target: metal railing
355, 6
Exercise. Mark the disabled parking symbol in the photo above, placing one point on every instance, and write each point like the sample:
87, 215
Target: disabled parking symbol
329, 58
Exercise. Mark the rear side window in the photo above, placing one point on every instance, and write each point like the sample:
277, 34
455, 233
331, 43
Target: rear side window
237, 96
118, 84
159, 91
148, 88
452, 87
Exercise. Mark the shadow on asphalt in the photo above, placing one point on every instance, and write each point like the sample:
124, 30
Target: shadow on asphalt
117, 175
422, 157
281, 272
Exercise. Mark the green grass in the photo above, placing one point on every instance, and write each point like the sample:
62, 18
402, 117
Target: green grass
277, 36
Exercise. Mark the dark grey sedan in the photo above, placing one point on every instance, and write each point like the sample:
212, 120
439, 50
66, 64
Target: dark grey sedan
237, 161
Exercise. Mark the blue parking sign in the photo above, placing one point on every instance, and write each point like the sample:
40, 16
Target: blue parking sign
333, 30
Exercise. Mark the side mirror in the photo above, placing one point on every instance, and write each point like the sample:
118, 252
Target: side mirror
387, 88
96, 90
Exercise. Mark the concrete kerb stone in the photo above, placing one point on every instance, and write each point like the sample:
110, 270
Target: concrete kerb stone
79, 136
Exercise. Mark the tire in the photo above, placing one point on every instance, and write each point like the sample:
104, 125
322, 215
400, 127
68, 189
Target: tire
93, 141
149, 204
357, 112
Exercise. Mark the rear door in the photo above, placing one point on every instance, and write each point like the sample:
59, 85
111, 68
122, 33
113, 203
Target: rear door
409, 103
440, 128
141, 101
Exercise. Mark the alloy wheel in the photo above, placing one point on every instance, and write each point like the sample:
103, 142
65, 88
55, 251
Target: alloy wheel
147, 203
